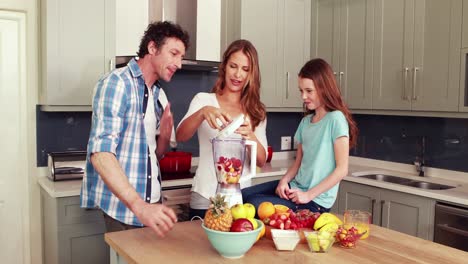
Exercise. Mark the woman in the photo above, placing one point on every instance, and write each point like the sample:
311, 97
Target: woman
325, 136
236, 92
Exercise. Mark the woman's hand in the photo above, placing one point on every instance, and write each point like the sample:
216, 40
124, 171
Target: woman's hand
282, 190
215, 117
299, 197
246, 131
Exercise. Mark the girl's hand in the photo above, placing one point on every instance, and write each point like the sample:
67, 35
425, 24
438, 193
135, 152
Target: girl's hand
245, 130
282, 190
216, 118
299, 197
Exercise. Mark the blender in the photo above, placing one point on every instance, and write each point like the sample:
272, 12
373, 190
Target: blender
229, 156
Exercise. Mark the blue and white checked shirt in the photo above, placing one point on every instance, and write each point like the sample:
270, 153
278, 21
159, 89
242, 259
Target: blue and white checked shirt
119, 106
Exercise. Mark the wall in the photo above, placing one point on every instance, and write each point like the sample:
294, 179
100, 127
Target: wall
390, 138
32, 215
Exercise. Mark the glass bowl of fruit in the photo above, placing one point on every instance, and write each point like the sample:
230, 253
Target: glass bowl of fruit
361, 220
348, 236
319, 241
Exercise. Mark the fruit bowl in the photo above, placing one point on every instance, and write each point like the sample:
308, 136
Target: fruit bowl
233, 244
347, 237
319, 242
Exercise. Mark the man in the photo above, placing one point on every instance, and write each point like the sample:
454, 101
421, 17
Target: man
130, 129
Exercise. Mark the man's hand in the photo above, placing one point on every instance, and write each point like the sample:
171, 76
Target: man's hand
166, 125
158, 217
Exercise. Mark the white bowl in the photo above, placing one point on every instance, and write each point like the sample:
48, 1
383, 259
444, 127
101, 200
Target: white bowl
285, 239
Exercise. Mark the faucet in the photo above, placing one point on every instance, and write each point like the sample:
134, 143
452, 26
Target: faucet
419, 161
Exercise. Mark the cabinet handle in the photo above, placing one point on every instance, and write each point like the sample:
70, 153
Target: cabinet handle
415, 70
405, 78
372, 207
111, 64
287, 85
454, 230
340, 78
381, 211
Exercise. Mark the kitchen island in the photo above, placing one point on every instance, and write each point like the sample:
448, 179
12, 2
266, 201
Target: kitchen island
188, 243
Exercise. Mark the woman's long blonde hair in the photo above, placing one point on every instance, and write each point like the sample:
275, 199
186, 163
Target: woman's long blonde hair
250, 97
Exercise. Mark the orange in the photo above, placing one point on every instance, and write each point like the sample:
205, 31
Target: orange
281, 209
265, 209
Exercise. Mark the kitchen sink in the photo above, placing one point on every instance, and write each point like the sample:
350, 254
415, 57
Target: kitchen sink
385, 178
406, 182
428, 185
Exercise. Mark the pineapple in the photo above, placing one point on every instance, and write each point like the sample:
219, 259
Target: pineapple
218, 216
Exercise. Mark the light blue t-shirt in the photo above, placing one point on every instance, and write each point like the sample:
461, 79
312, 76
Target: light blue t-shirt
318, 159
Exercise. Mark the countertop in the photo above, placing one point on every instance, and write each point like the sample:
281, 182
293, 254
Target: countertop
73, 187
358, 166
188, 239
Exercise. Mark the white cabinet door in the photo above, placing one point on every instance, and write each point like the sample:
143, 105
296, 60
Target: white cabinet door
131, 21
296, 48
78, 48
259, 19
285, 49
438, 27
342, 34
14, 195
393, 46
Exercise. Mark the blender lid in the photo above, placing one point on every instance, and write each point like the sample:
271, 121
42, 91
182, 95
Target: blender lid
231, 127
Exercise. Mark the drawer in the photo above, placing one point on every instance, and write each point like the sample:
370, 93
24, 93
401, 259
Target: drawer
70, 212
176, 196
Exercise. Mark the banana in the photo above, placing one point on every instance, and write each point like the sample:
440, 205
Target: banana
326, 218
331, 227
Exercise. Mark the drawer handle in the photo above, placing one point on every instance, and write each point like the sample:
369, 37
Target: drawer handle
453, 230
372, 207
382, 203
182, 197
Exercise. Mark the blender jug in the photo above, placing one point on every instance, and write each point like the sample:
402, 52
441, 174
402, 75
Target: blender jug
229, 157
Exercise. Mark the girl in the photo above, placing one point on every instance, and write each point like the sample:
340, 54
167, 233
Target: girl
325, 136
236, 92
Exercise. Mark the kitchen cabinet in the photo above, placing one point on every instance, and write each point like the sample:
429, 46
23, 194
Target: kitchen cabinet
72, 234
283, 52
131, 22
463, 102
416, 55
78, 47
342, 34
406, 213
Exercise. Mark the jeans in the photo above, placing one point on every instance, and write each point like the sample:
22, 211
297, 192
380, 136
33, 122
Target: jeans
113, 225
197, 212
265, 192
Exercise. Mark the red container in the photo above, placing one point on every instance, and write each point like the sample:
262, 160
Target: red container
176, 161
269, 154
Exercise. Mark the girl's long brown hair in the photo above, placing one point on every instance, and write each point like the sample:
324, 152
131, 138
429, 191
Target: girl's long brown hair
250, 97
321, 73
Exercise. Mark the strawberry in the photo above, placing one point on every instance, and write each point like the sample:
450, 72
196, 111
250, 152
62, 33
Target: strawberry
272, 223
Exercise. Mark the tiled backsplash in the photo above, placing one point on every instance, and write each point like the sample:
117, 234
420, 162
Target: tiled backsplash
390, 138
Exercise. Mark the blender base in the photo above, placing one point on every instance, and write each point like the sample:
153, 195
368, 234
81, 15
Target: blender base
232, 193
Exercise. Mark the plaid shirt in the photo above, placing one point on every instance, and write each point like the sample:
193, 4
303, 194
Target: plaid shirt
119, 107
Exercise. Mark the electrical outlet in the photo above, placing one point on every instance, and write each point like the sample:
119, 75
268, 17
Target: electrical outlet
285, 143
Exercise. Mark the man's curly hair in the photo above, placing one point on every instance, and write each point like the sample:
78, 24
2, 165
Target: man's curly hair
159, 32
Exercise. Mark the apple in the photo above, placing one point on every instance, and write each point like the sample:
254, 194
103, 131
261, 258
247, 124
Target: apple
250, 210
241, 225
238, 211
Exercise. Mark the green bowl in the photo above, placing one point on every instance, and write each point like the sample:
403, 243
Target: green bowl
233, 244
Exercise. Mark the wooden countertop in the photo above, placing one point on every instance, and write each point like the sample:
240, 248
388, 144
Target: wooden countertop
188, 243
